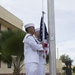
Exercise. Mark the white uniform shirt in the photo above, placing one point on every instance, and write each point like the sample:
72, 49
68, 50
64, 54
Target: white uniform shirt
30, 49
42, 55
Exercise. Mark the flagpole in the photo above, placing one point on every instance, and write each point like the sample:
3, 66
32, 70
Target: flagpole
52, 45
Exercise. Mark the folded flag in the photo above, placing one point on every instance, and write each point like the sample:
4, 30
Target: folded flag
44, 34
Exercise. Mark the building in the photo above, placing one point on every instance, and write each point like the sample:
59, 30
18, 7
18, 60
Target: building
8, 20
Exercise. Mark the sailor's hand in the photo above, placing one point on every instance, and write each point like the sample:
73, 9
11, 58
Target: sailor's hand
42, 44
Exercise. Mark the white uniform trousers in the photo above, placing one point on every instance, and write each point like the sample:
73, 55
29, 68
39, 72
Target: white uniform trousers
31, 68
42, 69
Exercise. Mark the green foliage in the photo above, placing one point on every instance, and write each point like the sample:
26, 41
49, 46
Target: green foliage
0, 40
11, 44
6, 35
65, 58
73, 69
6, 59
0, 46
0, 56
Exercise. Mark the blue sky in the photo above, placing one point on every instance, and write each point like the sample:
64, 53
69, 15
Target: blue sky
31, 11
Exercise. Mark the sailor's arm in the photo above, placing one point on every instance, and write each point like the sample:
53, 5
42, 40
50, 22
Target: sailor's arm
31, 41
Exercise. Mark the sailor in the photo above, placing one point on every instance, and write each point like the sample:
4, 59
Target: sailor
31, 48
42, 55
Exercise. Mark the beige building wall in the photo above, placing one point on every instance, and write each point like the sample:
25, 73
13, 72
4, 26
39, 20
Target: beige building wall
5, 70
3, 28
59, 66
9, 20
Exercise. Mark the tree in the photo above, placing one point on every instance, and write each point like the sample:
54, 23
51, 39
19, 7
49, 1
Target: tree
74, 69
65, 58
4, 35
0, 41
0, 45
0, 48
12, 46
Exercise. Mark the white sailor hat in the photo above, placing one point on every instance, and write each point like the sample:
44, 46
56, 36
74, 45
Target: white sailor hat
29, 25
37, 29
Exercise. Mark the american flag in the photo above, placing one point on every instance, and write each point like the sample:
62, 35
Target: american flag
44, 35
43, 31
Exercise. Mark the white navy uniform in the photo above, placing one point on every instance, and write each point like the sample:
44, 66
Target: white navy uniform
42, 62
31, 55
42, 59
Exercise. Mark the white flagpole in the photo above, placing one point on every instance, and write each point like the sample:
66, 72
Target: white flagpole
52, 45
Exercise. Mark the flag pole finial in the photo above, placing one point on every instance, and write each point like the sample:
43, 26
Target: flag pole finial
43, 12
